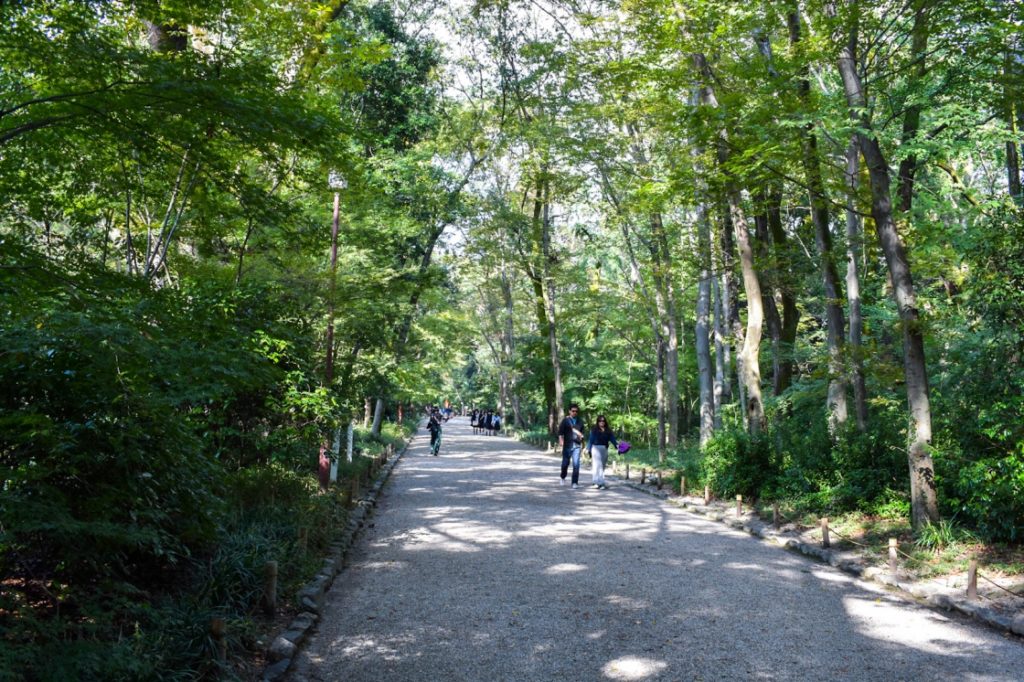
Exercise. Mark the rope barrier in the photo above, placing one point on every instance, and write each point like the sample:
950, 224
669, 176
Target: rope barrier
784, 518
1004, 589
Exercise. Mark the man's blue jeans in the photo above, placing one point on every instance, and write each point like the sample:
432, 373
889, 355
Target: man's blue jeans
571, 450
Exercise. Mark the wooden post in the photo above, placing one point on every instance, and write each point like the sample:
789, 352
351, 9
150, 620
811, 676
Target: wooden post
775, 514
825, 540
707, 494
303, 539
643, 475
269, 599
219, 628
627, 471
972, 579
892, 556
739, 505
682, 485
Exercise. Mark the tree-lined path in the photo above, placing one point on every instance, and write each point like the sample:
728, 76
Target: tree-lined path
479, 566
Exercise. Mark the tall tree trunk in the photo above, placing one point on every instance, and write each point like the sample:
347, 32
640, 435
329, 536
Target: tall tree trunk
773, 321
549, 291
378, 417
664, 294
535, 271
1011, 90
853, 245
732, 330
748, 360
721, 351
820, 218
705, 377
783, 265
923, 495
660, 348
912, 116
509, 343
367, 411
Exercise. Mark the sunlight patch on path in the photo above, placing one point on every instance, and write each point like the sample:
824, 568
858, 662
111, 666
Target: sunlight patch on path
632, 668
565, 568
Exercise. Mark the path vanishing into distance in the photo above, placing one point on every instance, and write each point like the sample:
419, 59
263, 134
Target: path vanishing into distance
477, 565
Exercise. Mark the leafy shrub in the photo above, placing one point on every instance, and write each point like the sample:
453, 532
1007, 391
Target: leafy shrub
735, 463
991, 491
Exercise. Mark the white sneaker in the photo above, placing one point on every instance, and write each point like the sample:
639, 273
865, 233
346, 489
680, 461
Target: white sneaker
561, 482
575, 485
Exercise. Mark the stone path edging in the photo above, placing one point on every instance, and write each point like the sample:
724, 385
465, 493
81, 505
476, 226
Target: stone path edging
849, 562
311, 597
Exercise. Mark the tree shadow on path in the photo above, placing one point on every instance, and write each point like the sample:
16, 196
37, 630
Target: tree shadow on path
478, 565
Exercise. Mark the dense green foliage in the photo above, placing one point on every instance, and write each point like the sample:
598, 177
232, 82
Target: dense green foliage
165, 288
613, 167
543, 202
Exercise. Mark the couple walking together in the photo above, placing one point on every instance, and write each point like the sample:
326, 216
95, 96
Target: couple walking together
570, 438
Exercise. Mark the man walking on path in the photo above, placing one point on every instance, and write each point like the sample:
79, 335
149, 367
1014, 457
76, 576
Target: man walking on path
570, 438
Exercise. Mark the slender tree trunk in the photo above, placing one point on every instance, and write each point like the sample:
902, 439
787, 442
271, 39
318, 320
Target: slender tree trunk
508, 341
773, 321
923, 494
783, 265
1011, 76
367, 411
721, 350
535, 270
378, 417
750, 364
665, 300
820, 218
660, 348
912, 117
732, 331
549, 290
853, 244
703, 342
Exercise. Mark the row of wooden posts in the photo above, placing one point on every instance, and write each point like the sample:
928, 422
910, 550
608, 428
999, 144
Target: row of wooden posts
268, 596
826, 540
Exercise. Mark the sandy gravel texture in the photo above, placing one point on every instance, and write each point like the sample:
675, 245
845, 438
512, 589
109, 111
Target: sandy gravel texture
479, 566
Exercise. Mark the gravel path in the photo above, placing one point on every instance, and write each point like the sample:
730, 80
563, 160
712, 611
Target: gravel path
479, 566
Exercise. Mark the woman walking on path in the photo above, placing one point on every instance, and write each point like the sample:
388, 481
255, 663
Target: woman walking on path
570, 438
600, 436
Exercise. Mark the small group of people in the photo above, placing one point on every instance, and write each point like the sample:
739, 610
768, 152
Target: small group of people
486, 422
572, 434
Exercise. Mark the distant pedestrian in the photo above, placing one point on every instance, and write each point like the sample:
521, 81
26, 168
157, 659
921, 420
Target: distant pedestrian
496, 423
434, 426
600, 436
472, 419
570, 438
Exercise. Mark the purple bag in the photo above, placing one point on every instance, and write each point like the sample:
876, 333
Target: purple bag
624, 447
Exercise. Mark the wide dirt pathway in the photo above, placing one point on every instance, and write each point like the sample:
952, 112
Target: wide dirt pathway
479, 566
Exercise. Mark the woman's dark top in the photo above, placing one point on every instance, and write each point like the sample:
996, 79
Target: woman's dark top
598, 437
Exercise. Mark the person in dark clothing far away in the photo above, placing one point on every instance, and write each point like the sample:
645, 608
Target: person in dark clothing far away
570, 438
434, 425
